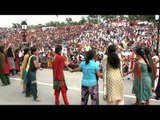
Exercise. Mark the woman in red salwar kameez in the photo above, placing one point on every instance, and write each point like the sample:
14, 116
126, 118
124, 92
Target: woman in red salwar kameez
4, 67
59, 83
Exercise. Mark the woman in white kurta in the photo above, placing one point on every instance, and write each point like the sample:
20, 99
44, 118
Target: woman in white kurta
113, 81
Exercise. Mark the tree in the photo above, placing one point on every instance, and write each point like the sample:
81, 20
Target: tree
18, 26
88, 19
31, 26
83, 20
109, 17
92, 19
68, 20
74, 23
48, 24
62, 24
14, 25
39, 25
149, 18
93, 16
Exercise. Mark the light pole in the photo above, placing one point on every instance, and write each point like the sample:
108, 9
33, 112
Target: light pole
158, 22
24, 28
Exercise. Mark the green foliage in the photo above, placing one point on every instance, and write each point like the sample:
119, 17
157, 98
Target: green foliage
149, 18
95, 19
16, 25
92, 19
82, 21
69, 21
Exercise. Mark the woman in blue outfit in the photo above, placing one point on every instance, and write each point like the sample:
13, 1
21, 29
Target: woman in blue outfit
91, 73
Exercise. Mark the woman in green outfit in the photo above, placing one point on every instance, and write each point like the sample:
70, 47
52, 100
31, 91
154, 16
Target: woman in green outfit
30, 76
142, 84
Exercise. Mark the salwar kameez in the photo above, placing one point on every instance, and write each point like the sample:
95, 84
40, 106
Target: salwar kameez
30, 78
4, 69
23, 71
59, 84
142, 84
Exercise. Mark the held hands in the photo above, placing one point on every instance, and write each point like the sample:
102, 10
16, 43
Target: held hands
124, 74
101, 76
71, 70
40, 68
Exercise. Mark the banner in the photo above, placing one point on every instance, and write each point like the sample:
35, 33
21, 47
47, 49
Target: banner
120, 23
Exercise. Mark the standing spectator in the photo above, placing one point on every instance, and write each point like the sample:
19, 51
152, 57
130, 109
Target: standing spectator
156, 61
17, 61
113, 83
132, 60
20, 54
10, 58
87, 47
156, 69
4, 67
103, 64
142, 85
90, 71
59, 83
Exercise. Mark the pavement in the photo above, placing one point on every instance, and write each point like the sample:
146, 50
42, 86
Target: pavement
12, 94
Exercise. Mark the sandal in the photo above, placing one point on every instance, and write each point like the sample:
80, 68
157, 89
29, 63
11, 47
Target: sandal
37, 100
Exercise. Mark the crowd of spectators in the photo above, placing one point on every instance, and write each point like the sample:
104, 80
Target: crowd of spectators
78, 39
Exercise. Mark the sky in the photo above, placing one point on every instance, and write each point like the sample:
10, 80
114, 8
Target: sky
7, 20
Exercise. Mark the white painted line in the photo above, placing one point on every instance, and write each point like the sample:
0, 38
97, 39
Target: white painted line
130, 96
78, 89
15, 79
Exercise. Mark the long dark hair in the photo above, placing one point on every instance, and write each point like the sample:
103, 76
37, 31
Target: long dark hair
16, 51
113, 58
33, 49
147, 52
90, 55
1, 49
155, 51
142, 52
9, 52
26, 50
58, 49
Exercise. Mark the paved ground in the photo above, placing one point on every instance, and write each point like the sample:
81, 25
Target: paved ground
12, 94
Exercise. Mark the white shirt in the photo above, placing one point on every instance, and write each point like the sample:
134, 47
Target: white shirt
20, 54
156, 59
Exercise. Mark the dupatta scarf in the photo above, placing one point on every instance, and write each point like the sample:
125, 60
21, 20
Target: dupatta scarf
137, 71
27, 68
